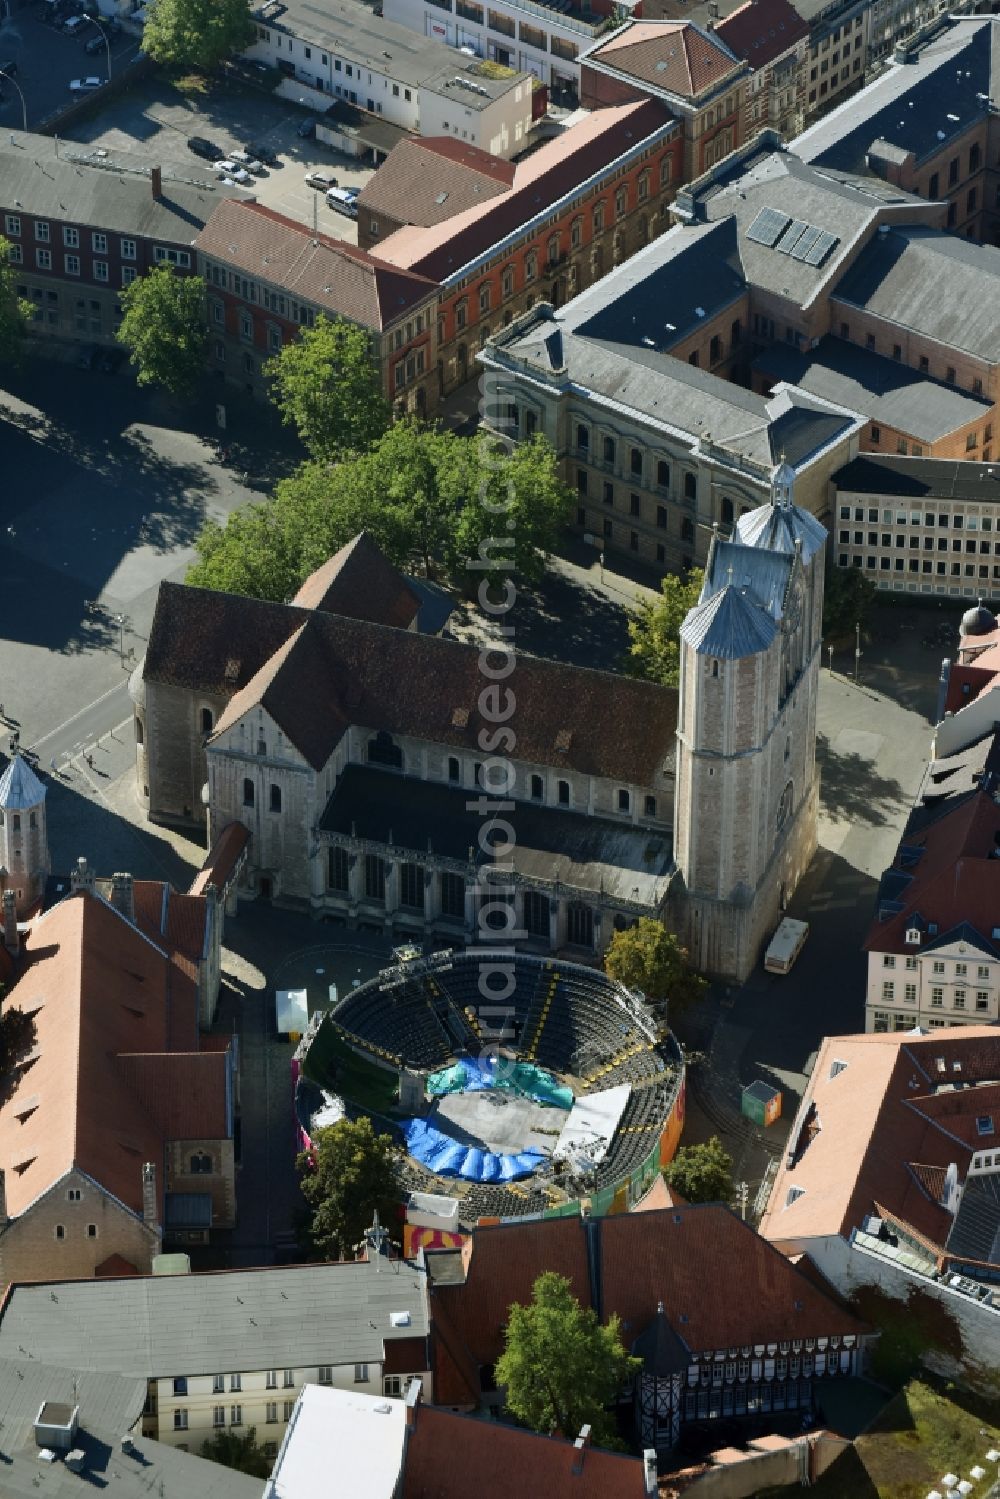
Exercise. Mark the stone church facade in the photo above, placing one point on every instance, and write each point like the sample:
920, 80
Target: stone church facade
355, 749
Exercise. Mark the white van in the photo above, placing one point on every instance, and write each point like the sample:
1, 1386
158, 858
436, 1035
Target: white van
786, 944
344, 200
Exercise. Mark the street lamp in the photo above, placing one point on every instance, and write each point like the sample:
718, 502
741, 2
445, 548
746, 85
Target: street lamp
121, 620
107, 42
24, 107
857, 649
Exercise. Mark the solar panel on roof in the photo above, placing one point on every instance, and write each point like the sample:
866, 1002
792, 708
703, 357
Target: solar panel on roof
791, 236
806, 243
822, 248
768, 227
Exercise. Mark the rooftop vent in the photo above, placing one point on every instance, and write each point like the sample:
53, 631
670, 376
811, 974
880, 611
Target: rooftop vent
56, 1425
460, 718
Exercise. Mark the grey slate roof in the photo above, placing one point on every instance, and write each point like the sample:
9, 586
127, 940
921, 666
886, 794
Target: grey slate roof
158, 1326
975, 1233
920, 478
20, 787
581, 852
918, 106
939, 285
729, 624
879, 388
761, 574
37, 180
776, 528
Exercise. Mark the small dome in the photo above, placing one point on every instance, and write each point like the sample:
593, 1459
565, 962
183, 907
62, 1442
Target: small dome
977, 621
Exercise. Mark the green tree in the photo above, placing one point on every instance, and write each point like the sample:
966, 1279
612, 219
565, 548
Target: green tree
348, 1177
196, 33
239, 1450
649, 958
17, 1036
654, 629
163, 328
514, 507
14, 310
328, 387
702, 1173
847, 602
560, 1368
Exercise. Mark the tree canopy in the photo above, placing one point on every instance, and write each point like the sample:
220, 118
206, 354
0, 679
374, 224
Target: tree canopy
163, 328
421, 493
654, 629
240, 1450
702, 1173
196, 33
560, 1367
848, 600
17, 1036
649, 958
14, 310
348, 1177
327, 386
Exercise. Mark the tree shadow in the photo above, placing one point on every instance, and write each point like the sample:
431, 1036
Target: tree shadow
558, 618
852, 790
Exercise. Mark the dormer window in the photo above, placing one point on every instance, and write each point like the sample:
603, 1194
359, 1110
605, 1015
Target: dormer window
984, 1124
913, 936
836, 1067
793, 1194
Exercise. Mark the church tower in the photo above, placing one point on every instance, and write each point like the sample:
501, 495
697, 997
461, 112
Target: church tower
24, 844
747, 791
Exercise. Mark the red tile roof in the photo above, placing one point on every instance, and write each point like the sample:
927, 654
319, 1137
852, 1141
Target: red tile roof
762, 30
955, 880
541, 179
223, 857
184, 1093
360, 582
879, 1115
428, 179
327, 273
99, 990
965, 683
115, 1264
450, 1457
675, 56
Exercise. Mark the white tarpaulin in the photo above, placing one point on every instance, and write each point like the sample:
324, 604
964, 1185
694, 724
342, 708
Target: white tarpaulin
590, 1127
291, 1011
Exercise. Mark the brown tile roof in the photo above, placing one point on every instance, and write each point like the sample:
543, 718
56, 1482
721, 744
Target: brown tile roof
762, 30
404, 1355
222, 860
450, 1456
360, 582
116, 1264
184, 1093
427, 179
965, 683
329, 274
176, 922
333, 671
669, 1256
878, 1113
955, 880
541, 179
672, 55
99, 989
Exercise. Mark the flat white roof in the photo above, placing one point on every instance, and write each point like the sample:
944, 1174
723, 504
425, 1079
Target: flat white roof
340, 1445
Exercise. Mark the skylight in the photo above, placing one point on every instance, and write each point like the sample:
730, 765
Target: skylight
984, 1124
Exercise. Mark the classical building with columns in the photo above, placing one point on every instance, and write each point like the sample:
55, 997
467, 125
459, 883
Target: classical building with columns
360, 754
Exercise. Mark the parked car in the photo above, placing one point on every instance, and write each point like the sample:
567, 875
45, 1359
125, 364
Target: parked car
246, 161
233, 172
205, 148
262, 153
95, 44
344, 200
73, 24
85, 85
307, 130
322, 181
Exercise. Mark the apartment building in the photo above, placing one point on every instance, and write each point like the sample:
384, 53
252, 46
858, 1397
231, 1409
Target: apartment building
81, 228
268, 277
926, 125
415, 82
690, 71
228, 1350
773, 38
494, 244
919, 526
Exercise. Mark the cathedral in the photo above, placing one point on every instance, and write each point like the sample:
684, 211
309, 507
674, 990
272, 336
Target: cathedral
355, 747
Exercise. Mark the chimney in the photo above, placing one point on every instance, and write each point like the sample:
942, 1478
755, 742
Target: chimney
11, 939
122, 897
411, 1400
82, 877
649, 1469
156, 181
149, 1213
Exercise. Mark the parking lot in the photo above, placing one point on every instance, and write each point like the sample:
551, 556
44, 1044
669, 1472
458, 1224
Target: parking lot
154, 119
47, 60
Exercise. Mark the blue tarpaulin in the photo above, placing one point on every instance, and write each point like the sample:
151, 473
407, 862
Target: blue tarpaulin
445, 1156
